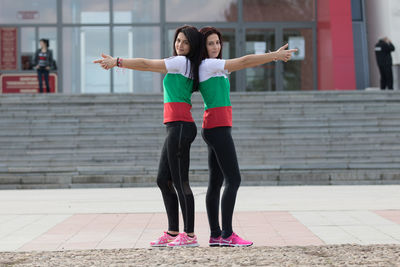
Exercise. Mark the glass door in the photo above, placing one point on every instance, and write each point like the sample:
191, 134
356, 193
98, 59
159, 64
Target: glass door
298, 73
28, 47
81, 45
127, 45
229, 51
260, 78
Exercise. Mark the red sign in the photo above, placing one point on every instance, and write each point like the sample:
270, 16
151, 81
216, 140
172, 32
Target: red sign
8, 48
25, 83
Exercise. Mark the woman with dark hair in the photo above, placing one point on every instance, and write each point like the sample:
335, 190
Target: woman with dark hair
181, 80
43, 61
216, 132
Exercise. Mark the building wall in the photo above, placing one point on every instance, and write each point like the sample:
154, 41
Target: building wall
335, 46
80, 30
98, 28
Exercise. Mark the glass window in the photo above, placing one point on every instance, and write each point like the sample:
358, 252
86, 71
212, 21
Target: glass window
201, 10
131, 11
228, 51
86, 11
170, 45
260, 78
356, 10
82, 45
282, 10
28, 47
126, 45
28, 11
298, 73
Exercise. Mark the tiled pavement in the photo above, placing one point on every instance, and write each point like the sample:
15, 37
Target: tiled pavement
131, 217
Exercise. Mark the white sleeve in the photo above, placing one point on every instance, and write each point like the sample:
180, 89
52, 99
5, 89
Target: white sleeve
215, 65
175, 64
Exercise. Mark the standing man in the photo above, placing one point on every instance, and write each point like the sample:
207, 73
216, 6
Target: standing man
383, 50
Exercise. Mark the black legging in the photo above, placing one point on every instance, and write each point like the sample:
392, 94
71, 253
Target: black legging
223, 165
173, 174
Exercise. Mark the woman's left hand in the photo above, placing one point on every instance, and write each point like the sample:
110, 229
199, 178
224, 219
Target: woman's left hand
107, 62
285, 55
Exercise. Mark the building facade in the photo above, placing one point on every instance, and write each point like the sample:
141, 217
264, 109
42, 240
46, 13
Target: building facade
331, 36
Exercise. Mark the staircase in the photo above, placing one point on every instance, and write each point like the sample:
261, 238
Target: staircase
285, 138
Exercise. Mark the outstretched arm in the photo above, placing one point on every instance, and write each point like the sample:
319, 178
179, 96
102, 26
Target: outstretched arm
250, 61
155, 65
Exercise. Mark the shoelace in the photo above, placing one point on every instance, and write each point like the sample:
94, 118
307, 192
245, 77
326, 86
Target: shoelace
180, 239
163, 238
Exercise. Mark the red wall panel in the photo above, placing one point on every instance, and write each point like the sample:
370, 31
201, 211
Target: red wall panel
335, 46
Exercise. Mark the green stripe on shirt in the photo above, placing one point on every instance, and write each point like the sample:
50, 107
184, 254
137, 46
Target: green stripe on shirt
215, 92
177, 88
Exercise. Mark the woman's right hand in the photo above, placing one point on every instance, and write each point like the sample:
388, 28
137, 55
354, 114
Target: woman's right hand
107, 62
283, 54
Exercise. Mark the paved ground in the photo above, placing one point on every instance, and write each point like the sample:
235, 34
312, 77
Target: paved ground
131, 217
277, 219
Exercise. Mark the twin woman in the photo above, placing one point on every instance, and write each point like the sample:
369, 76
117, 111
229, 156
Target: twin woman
197, 65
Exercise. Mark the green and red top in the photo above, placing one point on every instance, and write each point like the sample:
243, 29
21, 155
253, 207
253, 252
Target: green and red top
215, 89
177, 90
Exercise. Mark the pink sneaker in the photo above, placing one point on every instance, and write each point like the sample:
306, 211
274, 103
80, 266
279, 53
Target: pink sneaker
183, 240
235, 241
214, 241
163, 240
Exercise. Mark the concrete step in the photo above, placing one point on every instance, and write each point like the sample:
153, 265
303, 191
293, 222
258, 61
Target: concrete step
249, 177
281, 138
295, 131
242, 123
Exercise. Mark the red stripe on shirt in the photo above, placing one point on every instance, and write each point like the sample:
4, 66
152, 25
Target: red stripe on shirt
217, 117
177, 111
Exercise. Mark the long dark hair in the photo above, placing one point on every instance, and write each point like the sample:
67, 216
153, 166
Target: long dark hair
195, 39
207, 31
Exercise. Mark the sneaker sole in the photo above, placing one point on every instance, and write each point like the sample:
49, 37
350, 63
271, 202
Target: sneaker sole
235, 245
158, 246
214, 245
185, 246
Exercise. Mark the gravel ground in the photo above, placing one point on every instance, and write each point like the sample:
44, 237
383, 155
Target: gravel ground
335, 255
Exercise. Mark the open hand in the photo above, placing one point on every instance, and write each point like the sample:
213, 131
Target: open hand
107, 62
285, 55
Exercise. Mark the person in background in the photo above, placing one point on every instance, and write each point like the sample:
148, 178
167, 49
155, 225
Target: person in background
383, 50
43, 61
